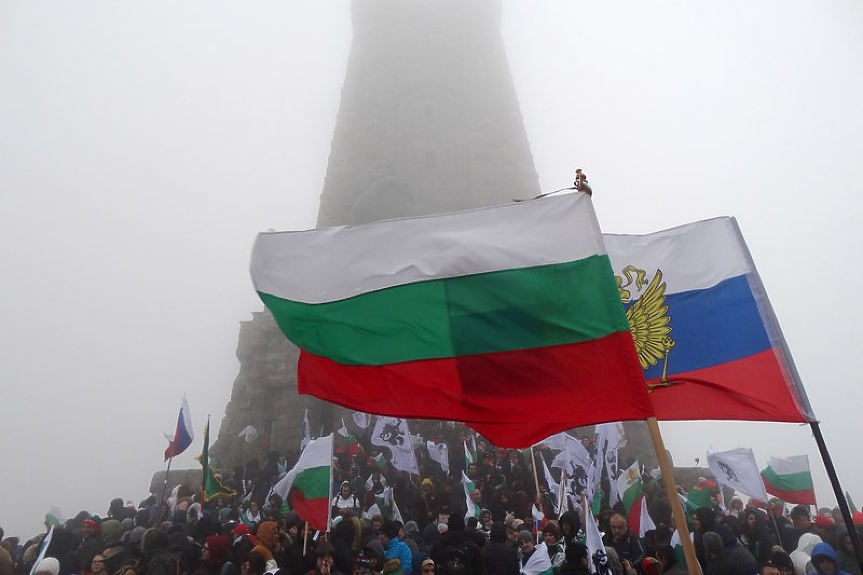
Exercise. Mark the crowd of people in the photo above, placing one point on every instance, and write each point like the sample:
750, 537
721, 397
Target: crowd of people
429, 530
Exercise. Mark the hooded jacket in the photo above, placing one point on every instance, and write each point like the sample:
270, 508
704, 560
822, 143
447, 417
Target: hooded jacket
823, 551
801, 556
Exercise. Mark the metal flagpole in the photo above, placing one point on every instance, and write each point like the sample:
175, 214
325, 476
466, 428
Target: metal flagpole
837, 490
676, 509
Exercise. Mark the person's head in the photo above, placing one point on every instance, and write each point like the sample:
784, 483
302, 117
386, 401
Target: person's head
712, 544
783, 562
471, 470
388, 532
618, 526
551, 533
768, 568
800, 518
325, 554
576, 554
823, 525
88, 527
255, 564
665, 554
427, 486
476, 496
651, 566
511, 534
217, 547
824, 559
428, 566
253, 506
525, 542
345, 489
97, 564
48, 566
362, 565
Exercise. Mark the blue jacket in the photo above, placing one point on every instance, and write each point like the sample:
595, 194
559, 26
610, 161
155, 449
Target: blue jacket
398, 549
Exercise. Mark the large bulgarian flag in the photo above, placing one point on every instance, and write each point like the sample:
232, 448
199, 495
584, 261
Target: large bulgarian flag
507, 318
307, 485
789, 479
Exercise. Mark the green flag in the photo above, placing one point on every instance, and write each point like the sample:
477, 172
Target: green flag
210, 487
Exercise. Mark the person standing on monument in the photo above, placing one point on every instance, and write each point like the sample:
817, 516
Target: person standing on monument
581, 184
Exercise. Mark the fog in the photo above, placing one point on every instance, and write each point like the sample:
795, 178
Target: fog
142, 147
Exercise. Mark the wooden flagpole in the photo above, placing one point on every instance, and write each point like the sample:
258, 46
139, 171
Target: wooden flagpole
536, 479
671, 491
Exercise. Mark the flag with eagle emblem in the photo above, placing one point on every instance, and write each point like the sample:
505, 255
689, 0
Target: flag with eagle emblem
706, 335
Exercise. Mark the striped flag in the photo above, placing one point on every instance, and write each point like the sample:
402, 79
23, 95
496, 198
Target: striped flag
183, 434
455, 316
789, 479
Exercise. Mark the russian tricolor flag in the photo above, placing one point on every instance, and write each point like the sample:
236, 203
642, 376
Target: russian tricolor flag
183, 436
724, 356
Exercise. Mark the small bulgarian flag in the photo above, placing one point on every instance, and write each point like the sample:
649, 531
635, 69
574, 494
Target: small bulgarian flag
307, 485
631, 492
789, 479
351, 442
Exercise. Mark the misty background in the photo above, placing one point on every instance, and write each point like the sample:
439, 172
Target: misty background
142, 147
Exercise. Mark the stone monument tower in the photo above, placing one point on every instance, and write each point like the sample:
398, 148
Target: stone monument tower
429, 122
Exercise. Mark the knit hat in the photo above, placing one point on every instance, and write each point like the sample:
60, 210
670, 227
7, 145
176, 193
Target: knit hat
241, 529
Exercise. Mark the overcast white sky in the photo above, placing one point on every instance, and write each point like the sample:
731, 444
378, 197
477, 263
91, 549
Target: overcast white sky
143, 145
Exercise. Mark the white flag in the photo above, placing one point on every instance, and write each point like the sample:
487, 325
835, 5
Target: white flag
393, 434
307, 432
397, 515
362, 419
646, 523
593, 540
552, 486
572, 456
439, 452
537, 514
738, 470
343, 431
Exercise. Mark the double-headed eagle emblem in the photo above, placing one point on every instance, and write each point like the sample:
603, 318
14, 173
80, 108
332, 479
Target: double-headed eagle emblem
648, 319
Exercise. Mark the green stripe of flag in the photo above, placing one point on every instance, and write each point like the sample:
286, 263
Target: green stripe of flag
800, 481
483, 313
313, 482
